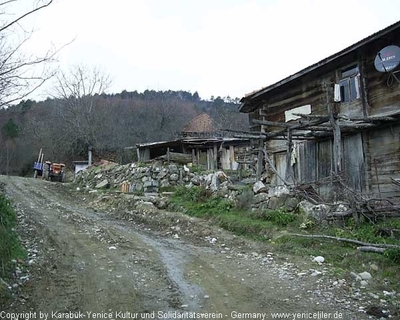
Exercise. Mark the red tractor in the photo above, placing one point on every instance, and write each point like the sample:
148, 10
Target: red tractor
53, 171
48, 170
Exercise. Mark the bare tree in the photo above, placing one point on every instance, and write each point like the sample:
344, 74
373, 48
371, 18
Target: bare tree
20, 74
81, 107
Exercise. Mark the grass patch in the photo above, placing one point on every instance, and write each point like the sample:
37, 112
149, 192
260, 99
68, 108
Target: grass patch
167, 189
201, 203
10, 247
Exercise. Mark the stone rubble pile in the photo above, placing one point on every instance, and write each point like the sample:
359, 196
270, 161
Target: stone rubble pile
151, 178
157, 177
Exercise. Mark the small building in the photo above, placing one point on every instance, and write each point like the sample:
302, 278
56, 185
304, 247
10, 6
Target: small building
202, 143
80, 165
336, 119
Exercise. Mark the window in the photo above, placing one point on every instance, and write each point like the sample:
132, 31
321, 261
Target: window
350, 84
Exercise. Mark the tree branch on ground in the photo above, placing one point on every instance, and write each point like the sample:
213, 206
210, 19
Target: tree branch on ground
360, 243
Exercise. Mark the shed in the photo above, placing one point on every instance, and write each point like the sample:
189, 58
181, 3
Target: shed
80, 165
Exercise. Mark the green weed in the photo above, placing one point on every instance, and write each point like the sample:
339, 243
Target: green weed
10, 247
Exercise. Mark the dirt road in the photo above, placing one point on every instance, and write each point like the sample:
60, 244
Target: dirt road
87, 261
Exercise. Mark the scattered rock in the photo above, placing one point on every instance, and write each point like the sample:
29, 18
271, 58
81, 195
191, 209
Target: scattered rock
261, 197
355, 276
319, 259
278, 191
103, 184
365, 275
374, 267
363, 283
146, 207
275, 203
259, 187
318, 212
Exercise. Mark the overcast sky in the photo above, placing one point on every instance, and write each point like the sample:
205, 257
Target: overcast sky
215, 47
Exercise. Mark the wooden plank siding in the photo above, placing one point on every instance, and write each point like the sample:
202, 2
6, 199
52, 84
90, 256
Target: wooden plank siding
384, 159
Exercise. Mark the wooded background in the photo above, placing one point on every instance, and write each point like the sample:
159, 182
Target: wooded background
67, 125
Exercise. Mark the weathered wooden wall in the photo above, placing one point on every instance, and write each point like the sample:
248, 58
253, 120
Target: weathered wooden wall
381, 97
384, 160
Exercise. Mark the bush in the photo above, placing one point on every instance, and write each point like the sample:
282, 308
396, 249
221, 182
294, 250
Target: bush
393, 255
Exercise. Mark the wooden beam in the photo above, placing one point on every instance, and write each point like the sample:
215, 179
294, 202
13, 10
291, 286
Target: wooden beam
369, 119
311, 116
297, 126
248, 136
272, 123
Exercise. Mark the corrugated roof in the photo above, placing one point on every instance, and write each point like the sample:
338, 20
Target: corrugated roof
201, 123
255, 94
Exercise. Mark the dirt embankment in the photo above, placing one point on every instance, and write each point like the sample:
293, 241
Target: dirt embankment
88, 260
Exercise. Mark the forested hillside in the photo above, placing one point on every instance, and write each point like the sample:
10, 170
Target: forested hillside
65, 127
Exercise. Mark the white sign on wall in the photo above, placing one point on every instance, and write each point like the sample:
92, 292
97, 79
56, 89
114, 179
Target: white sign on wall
303, 110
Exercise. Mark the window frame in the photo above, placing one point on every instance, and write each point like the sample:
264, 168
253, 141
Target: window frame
349, 83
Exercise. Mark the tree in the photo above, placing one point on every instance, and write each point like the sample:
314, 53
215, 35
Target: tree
81, 107
196, 96
19, 75
10, 133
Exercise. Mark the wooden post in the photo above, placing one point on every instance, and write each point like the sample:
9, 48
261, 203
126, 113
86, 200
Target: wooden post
231, 156
337, 144
168, 155
38, 160
289, 150
215, 159
259, 161
90, 156
193, 157
337, 139
198, 156
40, 154
138, 154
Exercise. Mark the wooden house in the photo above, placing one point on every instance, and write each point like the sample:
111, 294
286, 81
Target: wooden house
339, 117
202, 142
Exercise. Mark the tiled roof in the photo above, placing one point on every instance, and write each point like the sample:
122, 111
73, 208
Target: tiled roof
201, 123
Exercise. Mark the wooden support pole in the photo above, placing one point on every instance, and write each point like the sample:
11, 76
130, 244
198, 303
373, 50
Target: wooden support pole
289, 150
337, 139
168, 155
215, 159
138, 155
259, 164
193, 157
40, 154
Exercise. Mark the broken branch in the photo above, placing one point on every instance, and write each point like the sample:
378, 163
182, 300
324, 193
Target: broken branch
363, 244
